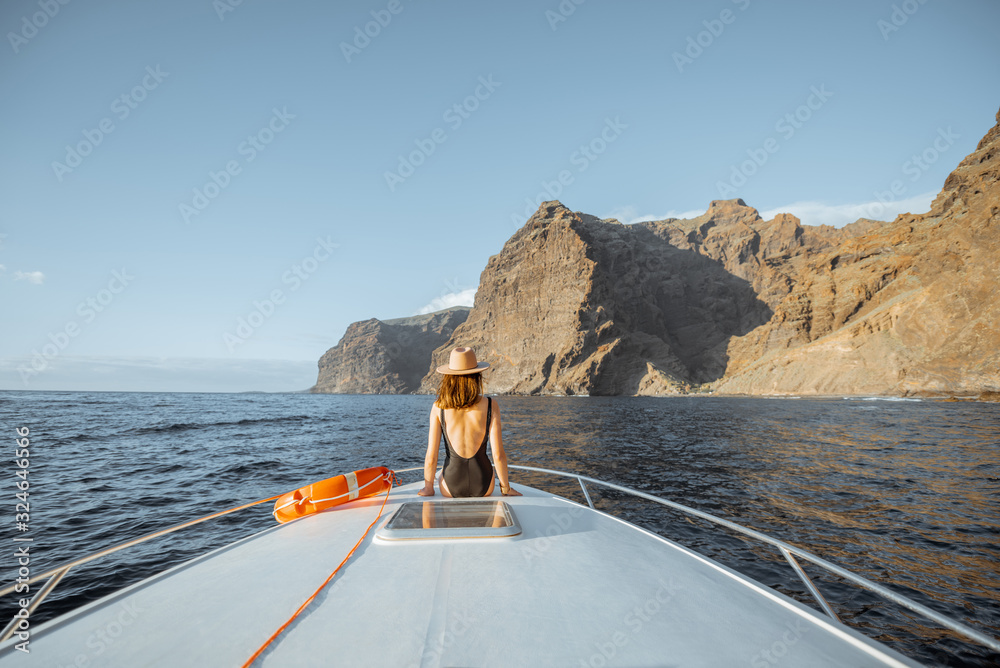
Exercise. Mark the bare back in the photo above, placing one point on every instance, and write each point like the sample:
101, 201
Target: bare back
466, 427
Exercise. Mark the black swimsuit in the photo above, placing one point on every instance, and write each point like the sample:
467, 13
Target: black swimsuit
472, 476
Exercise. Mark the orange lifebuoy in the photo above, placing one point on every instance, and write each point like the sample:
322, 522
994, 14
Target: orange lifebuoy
331, 492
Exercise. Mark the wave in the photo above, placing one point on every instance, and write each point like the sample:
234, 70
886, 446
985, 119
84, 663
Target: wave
178, 427
187, 426
882, 399
242, 469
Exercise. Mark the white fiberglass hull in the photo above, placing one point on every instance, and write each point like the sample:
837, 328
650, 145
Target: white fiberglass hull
575, 588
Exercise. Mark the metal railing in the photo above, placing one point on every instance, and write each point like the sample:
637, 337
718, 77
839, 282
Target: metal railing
789, 552
56, 574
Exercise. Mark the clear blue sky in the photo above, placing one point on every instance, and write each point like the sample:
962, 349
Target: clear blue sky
309, 129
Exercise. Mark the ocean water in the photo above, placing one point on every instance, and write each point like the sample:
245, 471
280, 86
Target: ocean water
901, 492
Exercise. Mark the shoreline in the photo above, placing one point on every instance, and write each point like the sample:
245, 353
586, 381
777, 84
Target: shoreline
986, 397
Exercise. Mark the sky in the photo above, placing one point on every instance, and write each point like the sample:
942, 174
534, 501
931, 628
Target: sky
202, 195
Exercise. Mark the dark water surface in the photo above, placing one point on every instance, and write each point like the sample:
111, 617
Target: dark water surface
900, 492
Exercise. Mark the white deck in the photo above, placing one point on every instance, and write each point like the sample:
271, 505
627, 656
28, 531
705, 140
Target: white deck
576, 588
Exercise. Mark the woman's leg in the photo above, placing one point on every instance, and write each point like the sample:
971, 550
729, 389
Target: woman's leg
443, 485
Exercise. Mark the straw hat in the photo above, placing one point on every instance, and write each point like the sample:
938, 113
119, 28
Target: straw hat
462, 362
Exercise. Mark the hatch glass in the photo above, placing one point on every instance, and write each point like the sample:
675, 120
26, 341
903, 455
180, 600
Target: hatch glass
451, 519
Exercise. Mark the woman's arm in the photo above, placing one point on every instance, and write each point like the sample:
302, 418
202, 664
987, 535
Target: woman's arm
499, 454
431, 458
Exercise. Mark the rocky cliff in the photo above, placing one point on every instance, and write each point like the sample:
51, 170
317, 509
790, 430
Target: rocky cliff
907, 307
578, 305
731, 302
386, 357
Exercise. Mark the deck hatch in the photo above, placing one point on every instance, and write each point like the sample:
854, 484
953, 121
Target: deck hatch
451, 519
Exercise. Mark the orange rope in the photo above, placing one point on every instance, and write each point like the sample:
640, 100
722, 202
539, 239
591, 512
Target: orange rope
325, 582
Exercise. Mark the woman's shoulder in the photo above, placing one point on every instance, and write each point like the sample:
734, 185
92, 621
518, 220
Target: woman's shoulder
481, 403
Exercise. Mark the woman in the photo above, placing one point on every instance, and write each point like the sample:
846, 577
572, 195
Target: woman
467, 420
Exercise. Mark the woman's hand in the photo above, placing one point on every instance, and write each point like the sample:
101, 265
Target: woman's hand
510, 492
428, 490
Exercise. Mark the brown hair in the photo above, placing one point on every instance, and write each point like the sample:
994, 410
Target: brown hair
460, 390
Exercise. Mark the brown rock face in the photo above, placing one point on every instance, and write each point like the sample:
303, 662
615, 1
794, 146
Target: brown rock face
908, 307
577, 305
385, 357
731, 302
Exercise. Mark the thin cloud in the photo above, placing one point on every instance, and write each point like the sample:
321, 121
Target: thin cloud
463, 298
35, 277
629, 214
838, 215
